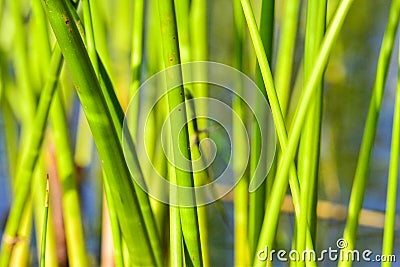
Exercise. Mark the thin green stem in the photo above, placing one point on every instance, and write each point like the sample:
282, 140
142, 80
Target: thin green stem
390, 219
44, 231
136, 59
272, 212
29, 157
258, 197
361, 175
176, 237
310, 140
38, 187
289, 147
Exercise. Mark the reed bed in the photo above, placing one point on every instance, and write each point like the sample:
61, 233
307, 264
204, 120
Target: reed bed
126, 95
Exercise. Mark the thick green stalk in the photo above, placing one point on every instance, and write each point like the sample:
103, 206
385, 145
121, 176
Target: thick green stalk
198, 31
241, 214
200, 178
117, 116
120, 44
20, 251
29, 158
390, 219
182, 8
143, 251
285, 55
289, 147
257, 198
199, 52
70, 195
308, 158
188, 215
361, 175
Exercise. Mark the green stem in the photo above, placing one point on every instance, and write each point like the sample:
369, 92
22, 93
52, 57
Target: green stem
390, 219
102, 114
241, 197
44, 231
136, 59
361, 175
29, 157
310, 140
289, 147
285, 56
258, 197
188, 215
279, 187
70, 196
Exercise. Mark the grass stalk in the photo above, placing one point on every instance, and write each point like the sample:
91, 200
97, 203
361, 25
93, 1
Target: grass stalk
70, 195
258, 197
136, 57
280, 186
285, 54
390, 218
199, 52
289, 147
44, 231
117, 116
20, 251
176, 236
241, 201
101, 118
38, 187
188, 215
29, 158
361, 175
22, 65
100, 22
310, 140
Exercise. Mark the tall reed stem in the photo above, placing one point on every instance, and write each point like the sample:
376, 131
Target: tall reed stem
180, 142
361, 175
